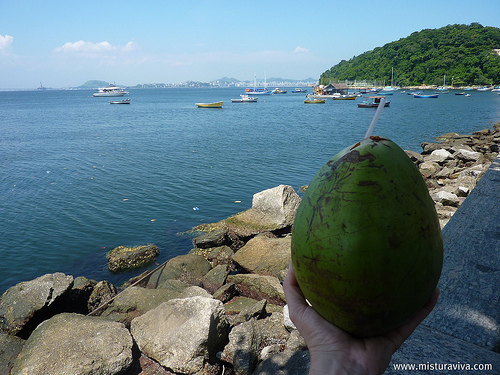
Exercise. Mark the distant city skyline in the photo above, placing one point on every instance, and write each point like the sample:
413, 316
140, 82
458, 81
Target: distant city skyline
63, 44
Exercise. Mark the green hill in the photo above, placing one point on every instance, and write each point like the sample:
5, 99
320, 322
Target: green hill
93, 84
466, 54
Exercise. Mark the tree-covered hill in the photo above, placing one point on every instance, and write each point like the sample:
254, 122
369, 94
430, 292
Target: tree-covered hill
466, 54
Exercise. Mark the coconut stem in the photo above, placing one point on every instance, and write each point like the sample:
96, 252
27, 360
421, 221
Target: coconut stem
375, 118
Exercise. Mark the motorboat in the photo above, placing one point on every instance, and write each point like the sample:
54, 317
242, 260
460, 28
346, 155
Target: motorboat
123, 101
245, 99
298, 91
314, 101
209, 105
344, 97
110, 90
373, 102
279, 91
426, 96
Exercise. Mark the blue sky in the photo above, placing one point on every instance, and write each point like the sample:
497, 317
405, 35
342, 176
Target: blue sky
65, 43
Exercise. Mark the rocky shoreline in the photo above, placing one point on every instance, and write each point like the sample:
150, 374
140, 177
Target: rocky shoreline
220, 309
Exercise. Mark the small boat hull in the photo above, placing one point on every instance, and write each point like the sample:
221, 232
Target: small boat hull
373, 102
314, 101
209, 105
124, 101
431, 96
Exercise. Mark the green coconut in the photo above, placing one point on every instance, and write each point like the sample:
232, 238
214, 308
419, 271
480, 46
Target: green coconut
366, 245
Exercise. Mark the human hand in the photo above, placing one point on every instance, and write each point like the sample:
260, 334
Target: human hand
334, 351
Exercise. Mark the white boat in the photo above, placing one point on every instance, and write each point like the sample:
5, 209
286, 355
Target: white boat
442, 89
389, 90
245, 99
111, 90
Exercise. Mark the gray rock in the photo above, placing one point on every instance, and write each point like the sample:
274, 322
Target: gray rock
414, 156
20, 303
212, 239
140, 299
285, 363
287, 322
428, 168
446, 198
272, 329
296, 342
265, 256
259, 287
215, 278
76, 344
279, 204
220, 255
256, 311
439, 156
243, 348
103, 292
272, 209
226, 292
10, 347
122, 258
182, 334
466, 155
189, 268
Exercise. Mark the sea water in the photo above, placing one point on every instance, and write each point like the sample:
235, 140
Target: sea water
79, 176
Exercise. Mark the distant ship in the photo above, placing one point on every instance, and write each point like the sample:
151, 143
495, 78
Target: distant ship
41, 87
111, 90
258, 90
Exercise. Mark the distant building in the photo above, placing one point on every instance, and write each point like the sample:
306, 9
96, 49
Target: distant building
332, 88
336, 88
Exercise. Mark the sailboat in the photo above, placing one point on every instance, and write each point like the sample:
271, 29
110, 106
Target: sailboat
389, 90
258, 90
442, 90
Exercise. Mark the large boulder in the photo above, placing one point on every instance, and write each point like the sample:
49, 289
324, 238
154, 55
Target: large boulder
259, 287
189, 268
135, 301
182, 334
265, 255
70, 343
272, 209
25, 305
123, 258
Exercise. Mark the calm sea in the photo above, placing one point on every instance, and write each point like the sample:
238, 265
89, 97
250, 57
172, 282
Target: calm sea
79, 176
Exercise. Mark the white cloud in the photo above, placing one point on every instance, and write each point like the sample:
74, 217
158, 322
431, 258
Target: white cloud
94, 49
300, 49
5, 41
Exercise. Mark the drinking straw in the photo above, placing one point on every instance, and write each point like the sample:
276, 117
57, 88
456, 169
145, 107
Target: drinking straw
375, 118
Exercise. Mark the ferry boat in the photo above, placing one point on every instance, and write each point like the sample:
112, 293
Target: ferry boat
110, 90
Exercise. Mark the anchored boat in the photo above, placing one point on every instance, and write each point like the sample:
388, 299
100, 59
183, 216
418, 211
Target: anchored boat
209, 105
